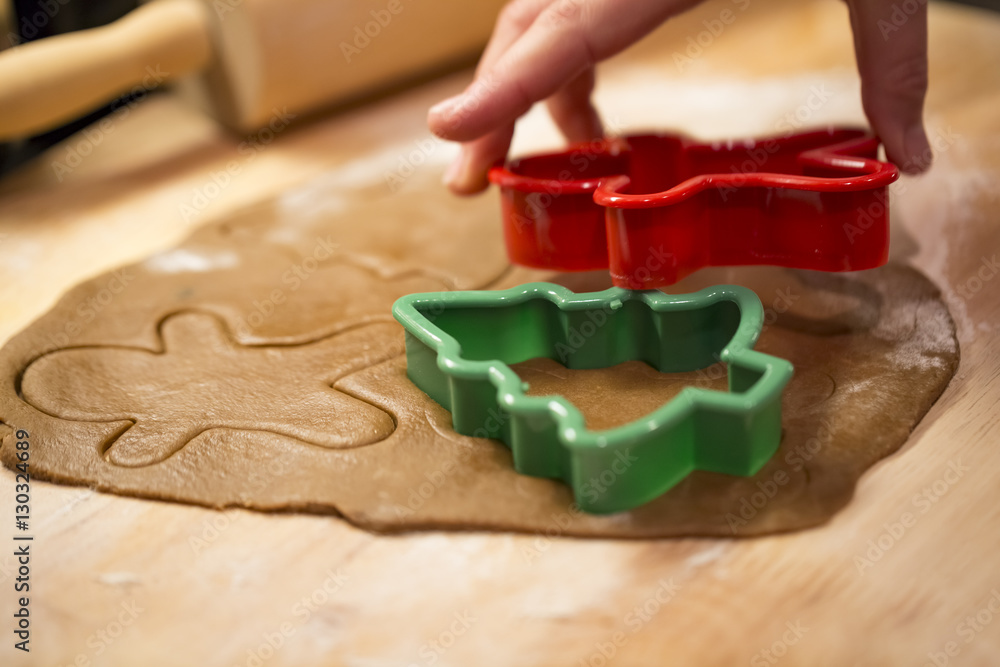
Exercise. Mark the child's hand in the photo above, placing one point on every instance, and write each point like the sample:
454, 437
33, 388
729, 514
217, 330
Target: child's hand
547, 49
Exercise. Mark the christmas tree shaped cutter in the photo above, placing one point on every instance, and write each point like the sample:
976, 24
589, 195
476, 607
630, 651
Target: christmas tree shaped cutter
459, 347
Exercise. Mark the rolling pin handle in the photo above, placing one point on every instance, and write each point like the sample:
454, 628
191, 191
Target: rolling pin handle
49, 82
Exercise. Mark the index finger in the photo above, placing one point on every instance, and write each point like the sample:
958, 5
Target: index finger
890, 40
566, 38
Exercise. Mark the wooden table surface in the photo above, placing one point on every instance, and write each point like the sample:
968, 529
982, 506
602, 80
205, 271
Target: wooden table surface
118, 581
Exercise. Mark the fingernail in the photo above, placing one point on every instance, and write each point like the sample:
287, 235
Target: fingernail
445, 107
918, 151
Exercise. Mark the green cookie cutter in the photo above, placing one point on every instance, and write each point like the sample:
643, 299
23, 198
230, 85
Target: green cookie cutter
459, 345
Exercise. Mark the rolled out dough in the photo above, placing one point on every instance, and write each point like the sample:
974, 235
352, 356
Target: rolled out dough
257, 365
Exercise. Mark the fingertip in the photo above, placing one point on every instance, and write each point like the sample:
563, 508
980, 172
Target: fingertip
909, 149
469, 173
459, 118
441, 117
918, 150
464, 176
468, 189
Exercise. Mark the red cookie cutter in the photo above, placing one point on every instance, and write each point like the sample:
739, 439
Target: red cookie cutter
654, 208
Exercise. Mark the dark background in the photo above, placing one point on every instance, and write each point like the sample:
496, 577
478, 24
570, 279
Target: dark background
988, 4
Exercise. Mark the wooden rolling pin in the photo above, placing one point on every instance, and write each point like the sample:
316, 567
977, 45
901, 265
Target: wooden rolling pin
253, 58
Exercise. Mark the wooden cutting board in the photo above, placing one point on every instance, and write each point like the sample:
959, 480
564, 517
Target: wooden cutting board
119, 581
